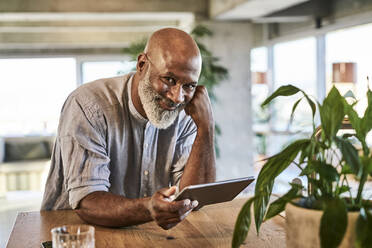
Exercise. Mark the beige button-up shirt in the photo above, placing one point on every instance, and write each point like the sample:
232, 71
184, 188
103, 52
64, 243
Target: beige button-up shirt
104, 144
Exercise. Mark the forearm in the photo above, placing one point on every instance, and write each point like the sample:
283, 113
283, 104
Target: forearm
107, 209
201, 165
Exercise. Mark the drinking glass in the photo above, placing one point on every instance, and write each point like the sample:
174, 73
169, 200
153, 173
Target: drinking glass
73, 236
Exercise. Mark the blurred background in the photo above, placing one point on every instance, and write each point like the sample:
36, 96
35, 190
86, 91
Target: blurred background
49, 48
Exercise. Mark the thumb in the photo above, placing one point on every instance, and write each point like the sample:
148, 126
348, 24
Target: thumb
167, 192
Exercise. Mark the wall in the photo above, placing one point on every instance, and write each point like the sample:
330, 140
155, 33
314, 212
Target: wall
232, 42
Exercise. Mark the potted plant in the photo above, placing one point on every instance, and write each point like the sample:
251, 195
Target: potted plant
329, 161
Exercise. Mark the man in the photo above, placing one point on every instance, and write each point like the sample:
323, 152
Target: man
123, 141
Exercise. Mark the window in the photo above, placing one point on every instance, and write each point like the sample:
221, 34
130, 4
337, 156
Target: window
93, 70
260, 91
32, 92
351, 45
294, 63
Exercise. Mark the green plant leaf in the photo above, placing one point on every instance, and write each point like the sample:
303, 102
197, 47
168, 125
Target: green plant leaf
361, 125
317, 186
242, 224
201, 31
308, 151
272, 168
286, 90
325, 171
342, 189
350, 155
260, 206
354, 119
367, 164
308, 170
366, 122
356, 122
333, 223
346, 169
363, 229
328, 172
279, 204
294, 108
332, 113
311, 103
135, 49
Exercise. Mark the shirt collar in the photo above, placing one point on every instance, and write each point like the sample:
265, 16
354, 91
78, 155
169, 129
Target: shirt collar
132, 108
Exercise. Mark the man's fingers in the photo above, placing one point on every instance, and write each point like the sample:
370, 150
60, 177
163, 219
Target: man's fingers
171, 222
167, 192
188, 207
184, 215
182, 206
200, 109
179, 206
167, 213
164, 203
178, 215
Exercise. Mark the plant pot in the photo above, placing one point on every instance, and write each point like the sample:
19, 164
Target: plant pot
303, 225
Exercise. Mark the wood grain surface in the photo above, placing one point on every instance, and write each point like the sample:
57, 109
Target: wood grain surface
211, 226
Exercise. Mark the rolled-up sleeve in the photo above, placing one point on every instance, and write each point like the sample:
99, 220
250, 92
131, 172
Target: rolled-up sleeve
83, 151
182, 152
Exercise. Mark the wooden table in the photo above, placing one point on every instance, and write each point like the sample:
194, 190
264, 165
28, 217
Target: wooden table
211, 226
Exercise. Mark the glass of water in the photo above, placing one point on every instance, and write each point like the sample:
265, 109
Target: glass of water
73, 236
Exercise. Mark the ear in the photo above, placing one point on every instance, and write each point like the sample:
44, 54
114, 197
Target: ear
141, 61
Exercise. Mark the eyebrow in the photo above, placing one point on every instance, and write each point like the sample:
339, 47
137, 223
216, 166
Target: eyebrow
171, 74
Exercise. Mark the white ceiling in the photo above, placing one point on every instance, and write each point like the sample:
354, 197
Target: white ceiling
252, 9
38, 27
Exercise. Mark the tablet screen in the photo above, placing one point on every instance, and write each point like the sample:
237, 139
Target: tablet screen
216, 192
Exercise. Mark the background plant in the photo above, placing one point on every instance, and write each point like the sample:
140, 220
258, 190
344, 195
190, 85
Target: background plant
326, 159
212, 74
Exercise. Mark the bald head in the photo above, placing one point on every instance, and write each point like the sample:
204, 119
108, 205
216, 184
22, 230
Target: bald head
171, 47
167, 75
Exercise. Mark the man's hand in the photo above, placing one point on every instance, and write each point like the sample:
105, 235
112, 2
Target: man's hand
200, 109
166, 213
200, 167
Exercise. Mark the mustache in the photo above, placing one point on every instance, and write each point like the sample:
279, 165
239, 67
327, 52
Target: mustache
169, 102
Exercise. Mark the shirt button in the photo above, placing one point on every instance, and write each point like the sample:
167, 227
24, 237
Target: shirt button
146, 172
144, 195
146, 145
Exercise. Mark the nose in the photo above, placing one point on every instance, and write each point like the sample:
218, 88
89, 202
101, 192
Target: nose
175, 94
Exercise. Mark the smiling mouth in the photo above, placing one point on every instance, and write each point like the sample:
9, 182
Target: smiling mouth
169, 107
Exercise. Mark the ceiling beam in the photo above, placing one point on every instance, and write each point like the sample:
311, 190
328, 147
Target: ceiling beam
247, 9
84, 30
218, 7
37, 40
198, 7
314, 9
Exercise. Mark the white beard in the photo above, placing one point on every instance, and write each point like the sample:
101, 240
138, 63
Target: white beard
159, 117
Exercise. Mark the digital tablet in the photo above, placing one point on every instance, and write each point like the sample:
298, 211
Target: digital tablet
211, 193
